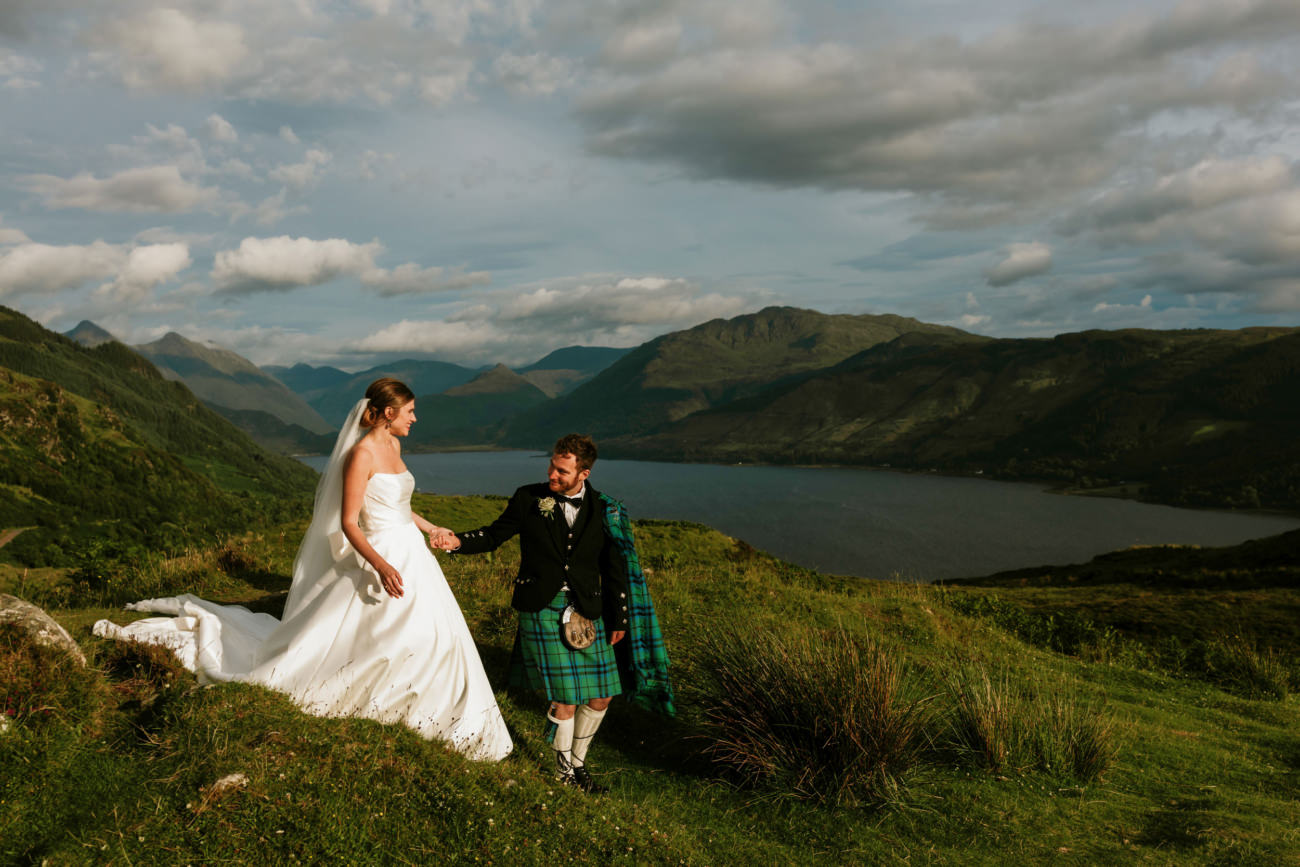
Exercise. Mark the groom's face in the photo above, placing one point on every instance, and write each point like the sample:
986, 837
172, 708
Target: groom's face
564, 476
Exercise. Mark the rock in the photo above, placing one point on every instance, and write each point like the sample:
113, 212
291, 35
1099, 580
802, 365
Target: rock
39, 625
228, 783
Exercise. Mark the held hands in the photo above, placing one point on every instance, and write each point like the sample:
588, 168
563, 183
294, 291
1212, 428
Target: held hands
443, 539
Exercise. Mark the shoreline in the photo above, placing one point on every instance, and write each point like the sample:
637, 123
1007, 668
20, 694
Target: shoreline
1131, 491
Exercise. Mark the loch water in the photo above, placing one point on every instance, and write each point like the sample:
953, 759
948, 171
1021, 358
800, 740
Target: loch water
865, 522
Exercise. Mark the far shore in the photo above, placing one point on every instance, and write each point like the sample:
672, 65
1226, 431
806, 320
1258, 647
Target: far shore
1125, 491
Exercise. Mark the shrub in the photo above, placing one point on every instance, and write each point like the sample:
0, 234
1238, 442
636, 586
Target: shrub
1000, 727
42, 686
817, 717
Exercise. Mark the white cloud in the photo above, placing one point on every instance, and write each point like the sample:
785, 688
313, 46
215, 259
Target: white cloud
522, 324
411, 279
445, 83
44, 268
643, 43
299, 176
470, 340
18, 72
283, 263
287, 134
152, 188
1105, 307
1020, 261
272, 209
168, 48
1135, 212
146, 267
220, 129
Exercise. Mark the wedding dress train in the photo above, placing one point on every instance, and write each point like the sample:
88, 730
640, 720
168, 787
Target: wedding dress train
344, 647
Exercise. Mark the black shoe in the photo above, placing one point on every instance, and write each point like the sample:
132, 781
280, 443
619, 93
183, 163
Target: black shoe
583, 779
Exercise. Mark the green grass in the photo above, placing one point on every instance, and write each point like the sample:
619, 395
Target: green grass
1109, 760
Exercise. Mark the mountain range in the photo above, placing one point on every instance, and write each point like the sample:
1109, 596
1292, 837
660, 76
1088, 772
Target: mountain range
296, 409
1195, 417
228, 381
684, 372
98, 448
1192, 417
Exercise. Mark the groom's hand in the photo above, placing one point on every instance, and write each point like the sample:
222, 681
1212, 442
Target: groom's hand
616, 637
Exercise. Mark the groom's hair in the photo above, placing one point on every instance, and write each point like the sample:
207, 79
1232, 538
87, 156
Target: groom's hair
578, 445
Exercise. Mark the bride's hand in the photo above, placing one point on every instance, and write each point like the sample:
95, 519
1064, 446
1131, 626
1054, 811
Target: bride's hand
391, 580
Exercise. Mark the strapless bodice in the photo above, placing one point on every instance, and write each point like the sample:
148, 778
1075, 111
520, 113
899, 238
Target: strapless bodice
388, 502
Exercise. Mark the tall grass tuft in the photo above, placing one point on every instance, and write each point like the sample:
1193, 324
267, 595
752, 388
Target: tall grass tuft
1241, 666
983, 721
818, 717
1002, 727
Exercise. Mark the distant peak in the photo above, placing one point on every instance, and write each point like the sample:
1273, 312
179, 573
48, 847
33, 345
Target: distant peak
89, 334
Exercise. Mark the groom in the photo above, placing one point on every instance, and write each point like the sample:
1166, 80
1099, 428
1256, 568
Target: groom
567, 560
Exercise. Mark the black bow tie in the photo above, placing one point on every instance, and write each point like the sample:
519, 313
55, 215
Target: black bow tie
576, 502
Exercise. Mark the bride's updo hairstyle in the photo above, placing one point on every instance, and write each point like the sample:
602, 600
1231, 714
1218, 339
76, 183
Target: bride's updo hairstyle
382, 394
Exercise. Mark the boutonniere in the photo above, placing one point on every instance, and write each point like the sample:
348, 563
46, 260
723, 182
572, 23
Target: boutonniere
546, 506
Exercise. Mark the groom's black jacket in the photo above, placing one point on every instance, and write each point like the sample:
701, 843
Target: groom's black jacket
553, 553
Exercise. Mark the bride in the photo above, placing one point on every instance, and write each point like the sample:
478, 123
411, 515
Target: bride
370, 627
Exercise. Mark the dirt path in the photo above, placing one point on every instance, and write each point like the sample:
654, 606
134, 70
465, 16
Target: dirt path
8, 536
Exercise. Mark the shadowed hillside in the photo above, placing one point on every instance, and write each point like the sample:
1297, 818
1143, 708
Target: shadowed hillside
685, 372
471, 413
335, 401
1196, 417
565, 369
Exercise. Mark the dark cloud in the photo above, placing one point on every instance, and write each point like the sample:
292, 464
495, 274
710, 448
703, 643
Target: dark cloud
1021, 116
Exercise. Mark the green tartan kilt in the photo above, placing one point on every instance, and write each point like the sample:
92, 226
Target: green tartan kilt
541, 661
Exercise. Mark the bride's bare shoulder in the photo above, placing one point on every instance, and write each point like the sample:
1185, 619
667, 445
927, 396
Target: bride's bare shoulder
361, 455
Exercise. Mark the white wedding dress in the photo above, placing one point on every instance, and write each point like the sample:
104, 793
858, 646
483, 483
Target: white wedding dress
345, 647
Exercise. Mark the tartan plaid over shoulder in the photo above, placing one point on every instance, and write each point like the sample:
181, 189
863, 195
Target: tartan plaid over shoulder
642, 656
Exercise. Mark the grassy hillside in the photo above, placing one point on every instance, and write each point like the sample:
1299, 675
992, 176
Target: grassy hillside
273, 434
98, 448
685, 372
1188, 608
1187, 417
933, 736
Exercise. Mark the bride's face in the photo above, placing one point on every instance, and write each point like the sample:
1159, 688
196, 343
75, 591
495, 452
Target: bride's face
400, 424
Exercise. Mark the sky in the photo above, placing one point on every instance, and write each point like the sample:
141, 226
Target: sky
484, 181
